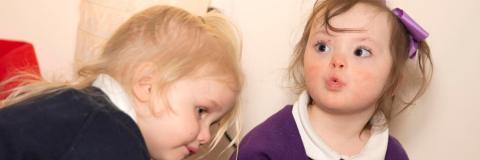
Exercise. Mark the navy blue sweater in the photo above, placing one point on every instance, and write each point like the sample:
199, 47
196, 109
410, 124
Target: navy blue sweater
69, 125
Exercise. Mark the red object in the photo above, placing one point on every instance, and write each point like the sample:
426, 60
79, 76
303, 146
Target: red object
16, 57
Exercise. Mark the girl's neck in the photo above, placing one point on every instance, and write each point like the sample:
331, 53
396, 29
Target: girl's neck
344, 133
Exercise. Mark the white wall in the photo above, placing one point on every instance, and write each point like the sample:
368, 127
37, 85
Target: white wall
441, 126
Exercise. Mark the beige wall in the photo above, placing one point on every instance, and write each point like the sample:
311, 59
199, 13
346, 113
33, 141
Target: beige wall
441, 126
444, 124
49, 25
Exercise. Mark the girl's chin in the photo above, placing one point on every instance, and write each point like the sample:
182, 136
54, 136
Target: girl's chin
339, 108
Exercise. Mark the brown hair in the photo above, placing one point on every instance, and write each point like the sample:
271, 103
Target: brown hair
399, 45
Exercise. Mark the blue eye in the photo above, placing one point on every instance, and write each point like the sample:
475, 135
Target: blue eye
322, 47
362, 52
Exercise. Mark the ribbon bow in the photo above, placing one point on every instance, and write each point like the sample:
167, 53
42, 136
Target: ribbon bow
417, 33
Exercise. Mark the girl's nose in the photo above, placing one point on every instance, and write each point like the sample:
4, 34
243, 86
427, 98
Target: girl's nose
204, 136
337, 62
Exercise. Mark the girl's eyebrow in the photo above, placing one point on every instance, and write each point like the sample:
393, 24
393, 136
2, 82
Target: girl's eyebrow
323, 32
367, 39
215, 105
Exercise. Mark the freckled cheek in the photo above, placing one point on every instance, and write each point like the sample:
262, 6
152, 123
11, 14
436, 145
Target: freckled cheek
191, 131
192, 134
368, 81
313, 73
194, 124
185, 123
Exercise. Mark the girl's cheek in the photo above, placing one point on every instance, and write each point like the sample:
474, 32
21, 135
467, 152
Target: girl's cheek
368, 80
195, 125
311, 72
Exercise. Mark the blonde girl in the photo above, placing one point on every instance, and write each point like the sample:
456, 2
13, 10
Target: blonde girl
162, 80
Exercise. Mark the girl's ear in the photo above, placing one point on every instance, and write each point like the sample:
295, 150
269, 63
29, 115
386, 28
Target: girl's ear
143, 80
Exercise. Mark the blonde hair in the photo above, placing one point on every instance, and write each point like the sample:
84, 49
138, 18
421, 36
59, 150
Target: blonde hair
399, 45
178, 42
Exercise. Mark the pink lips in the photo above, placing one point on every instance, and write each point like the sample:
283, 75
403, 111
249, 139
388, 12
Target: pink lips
192, 150
334, 83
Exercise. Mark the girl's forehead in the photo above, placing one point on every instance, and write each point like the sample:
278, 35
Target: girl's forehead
360, 16
216, 75
208, 83
216, 94
363, 19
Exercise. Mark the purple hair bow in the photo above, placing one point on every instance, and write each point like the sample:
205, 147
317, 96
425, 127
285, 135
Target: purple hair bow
417, 33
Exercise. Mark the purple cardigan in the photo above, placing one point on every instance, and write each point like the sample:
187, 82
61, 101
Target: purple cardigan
278, 139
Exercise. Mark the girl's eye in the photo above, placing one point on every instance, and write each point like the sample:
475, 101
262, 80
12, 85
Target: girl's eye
362, 52
322, 47
201, 110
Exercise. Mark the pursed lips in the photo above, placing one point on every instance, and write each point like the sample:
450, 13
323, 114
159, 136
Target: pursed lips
334, 83
191, 150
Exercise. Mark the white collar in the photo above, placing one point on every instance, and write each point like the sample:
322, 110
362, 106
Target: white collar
115, 93
375, 149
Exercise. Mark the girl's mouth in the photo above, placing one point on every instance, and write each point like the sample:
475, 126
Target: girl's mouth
334, 83
192, 150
